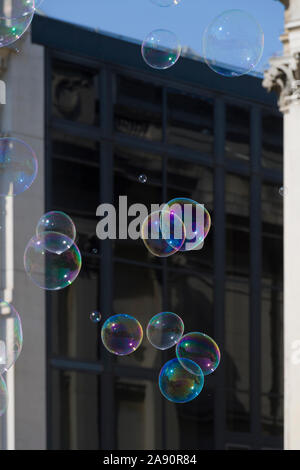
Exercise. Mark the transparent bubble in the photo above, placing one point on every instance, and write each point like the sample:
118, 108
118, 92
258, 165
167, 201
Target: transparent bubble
11, 336
161, 49
143, 179
179, 385
49, 266
15, 18
121, 334
282, 191
3, 396
164, 330
18, 166
196, 220
201, 350
167, 243
95, 317
233, 43
166, 3
58, 222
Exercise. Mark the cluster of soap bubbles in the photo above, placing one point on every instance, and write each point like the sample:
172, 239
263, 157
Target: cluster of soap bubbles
11, 342
52, 259
181, 379
233, 43
18, 166
15, 18
181, 225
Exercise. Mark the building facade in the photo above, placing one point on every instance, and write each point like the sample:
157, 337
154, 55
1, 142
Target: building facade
97, 118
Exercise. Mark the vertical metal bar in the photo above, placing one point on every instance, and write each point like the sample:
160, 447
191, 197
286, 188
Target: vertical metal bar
107, 401
255, 277
219, 267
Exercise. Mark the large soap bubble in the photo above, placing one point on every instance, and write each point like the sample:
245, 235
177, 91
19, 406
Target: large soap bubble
48, 264
59, 222
161, 49
164, 330
233, 43
201, 350
179, 385
15, 18
122, 334
18, 166
11, 336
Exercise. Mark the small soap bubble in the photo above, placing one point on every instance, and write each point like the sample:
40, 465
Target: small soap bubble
166, 3
201, 350
179, 385
143, 179
121, 334
282, 191
164, 330
60, 223
161, 49
95, 317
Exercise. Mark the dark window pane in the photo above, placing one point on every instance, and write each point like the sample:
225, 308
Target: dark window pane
236, 356
73, 333
139, 414
138, 109
75, 93
190, 122
138, 292
272, 141
75, 418
272, 362
237, 133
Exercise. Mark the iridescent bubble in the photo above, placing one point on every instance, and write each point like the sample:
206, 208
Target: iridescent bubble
15, 18
161, 49
95, 317
201, 350
179, 385
166, 3
233, 43
59, 222
11, 336
18, 166
167, 243
48, 264
122, 334
3, 396
143, 179
196, 220
164, 330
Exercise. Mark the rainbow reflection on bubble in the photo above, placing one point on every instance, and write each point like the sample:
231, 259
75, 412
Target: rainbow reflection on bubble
15, 18
48, 264
201, 350
3, 396
95, 317
18, 166
179, 385
122, 334
59, 222
196, 219
164, 330
161, 49
11, 336
163, 244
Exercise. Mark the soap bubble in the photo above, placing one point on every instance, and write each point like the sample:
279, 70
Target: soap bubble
167, 243
11, 336
143, 179
196, 220
164, 330
3, 396
18, 166
161, 49
48, 264
233, 43
166, 3
282, 191
121, 334
95, 317
179, 385
15, 18
58, 222
201, 350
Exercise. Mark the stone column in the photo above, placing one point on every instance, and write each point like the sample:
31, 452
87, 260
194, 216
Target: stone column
283, 77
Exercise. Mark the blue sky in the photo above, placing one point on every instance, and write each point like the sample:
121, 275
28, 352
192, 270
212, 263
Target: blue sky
136, 18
